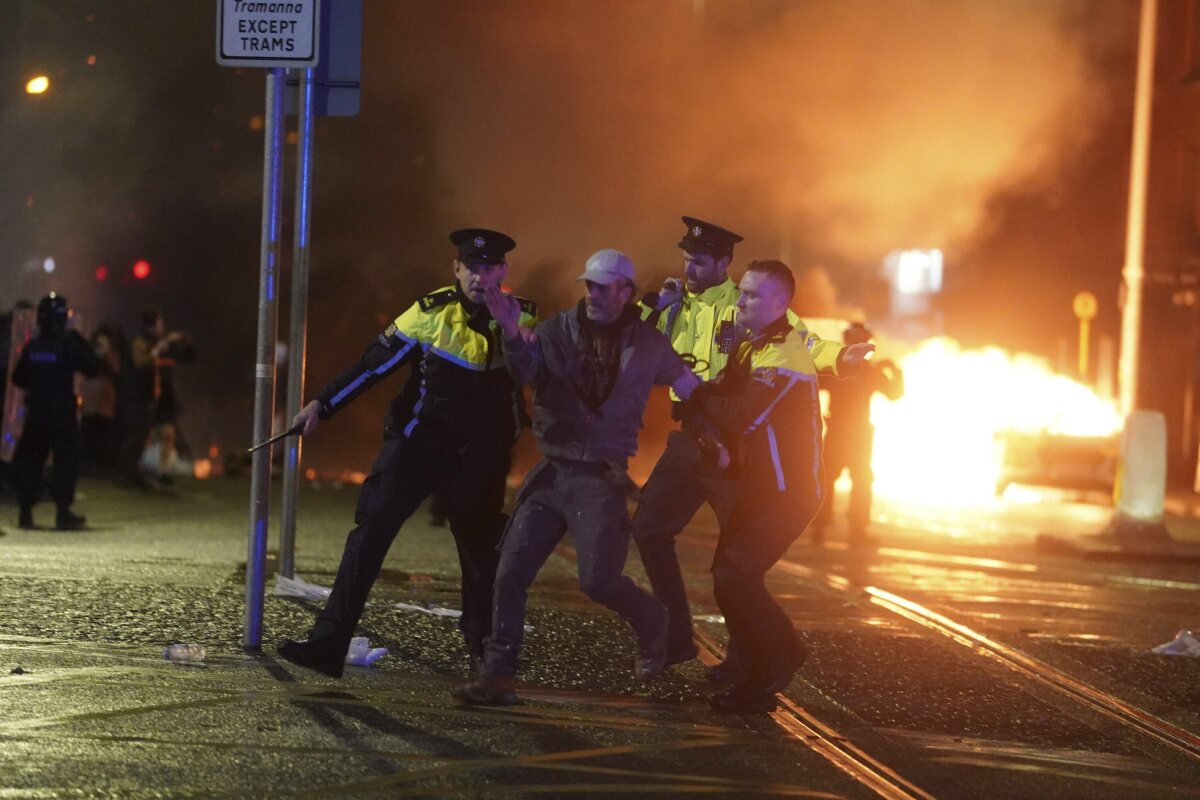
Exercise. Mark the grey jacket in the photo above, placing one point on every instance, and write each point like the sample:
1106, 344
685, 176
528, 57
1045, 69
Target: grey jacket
565, 427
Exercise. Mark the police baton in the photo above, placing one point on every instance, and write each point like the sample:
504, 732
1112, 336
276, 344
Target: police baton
295, 430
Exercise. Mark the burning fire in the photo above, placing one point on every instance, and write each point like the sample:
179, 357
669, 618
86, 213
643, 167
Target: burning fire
938, 443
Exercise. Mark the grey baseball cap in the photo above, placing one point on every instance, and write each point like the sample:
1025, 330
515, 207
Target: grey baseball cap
605, 266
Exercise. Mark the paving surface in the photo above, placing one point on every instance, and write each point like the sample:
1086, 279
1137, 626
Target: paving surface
89, 708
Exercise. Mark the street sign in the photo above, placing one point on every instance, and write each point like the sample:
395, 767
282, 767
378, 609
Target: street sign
337, 79
268, 33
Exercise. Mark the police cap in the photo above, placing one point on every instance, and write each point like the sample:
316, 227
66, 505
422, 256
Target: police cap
481, 246
705, 237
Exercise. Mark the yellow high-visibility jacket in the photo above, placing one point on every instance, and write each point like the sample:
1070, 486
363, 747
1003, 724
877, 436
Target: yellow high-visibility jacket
704, 326
460, 392
766, 411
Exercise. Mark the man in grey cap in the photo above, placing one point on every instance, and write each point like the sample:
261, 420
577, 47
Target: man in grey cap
591, 368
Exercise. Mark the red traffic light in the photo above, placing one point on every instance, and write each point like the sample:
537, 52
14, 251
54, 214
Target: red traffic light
141, 269
102, 272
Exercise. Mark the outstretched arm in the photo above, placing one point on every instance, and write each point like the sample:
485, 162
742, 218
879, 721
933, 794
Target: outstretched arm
384, 356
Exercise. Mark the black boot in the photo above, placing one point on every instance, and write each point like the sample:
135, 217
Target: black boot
321, 655
25, 520
66, 521
743, 700
487, 690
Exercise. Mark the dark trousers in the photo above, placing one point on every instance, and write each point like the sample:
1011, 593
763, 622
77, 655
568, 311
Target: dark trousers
759, 534
37, 440
589, 500
848, 446
404, 475
674, 492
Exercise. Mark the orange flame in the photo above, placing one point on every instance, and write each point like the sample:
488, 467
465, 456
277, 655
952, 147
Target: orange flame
938, 443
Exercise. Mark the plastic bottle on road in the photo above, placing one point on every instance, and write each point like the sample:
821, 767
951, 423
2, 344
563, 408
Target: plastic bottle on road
184, 653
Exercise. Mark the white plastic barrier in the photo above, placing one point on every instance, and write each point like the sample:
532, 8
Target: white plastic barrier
1141, 484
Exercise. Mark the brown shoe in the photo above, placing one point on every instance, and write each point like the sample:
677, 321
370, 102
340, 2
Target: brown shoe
487, 690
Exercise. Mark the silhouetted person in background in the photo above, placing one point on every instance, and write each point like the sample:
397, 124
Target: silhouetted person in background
7, 320
849, 436
98, 430
46, 371
153, 404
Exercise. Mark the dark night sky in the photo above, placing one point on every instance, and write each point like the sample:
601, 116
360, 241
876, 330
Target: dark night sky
827, 132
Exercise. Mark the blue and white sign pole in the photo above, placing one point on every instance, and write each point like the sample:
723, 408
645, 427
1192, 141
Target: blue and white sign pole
276, 34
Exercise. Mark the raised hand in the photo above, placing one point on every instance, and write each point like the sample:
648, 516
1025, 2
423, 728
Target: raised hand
670, 293
504, 308
855, 354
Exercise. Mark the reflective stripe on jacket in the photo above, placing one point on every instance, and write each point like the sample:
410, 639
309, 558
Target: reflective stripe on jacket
459, 390
766, 407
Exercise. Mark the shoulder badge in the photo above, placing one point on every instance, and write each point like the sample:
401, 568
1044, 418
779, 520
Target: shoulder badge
435, 299
528, 306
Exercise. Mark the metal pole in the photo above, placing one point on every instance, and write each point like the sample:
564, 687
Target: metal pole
264, 367
1084, 335
298, 336
1133, 272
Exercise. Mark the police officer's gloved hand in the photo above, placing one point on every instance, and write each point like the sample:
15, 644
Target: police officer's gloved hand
710, 451
685, 410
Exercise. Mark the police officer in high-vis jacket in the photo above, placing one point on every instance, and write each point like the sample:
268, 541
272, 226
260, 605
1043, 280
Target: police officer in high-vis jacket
448, 432
698, 314
700, 319
767, 414
46, 371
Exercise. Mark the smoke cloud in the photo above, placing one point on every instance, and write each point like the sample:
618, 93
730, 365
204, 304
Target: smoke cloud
844, 128
827, 132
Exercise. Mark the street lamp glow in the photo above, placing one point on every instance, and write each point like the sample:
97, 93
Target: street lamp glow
37, 85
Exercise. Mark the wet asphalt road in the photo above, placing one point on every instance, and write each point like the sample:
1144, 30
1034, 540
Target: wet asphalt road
88, 708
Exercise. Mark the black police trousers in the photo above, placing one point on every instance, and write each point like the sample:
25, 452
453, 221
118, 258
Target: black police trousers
759, 534
37, 440
404, 475
680, 483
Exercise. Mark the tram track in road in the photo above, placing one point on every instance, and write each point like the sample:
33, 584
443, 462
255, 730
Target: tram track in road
1134, 718
822, 739
1029, 570
878, 757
